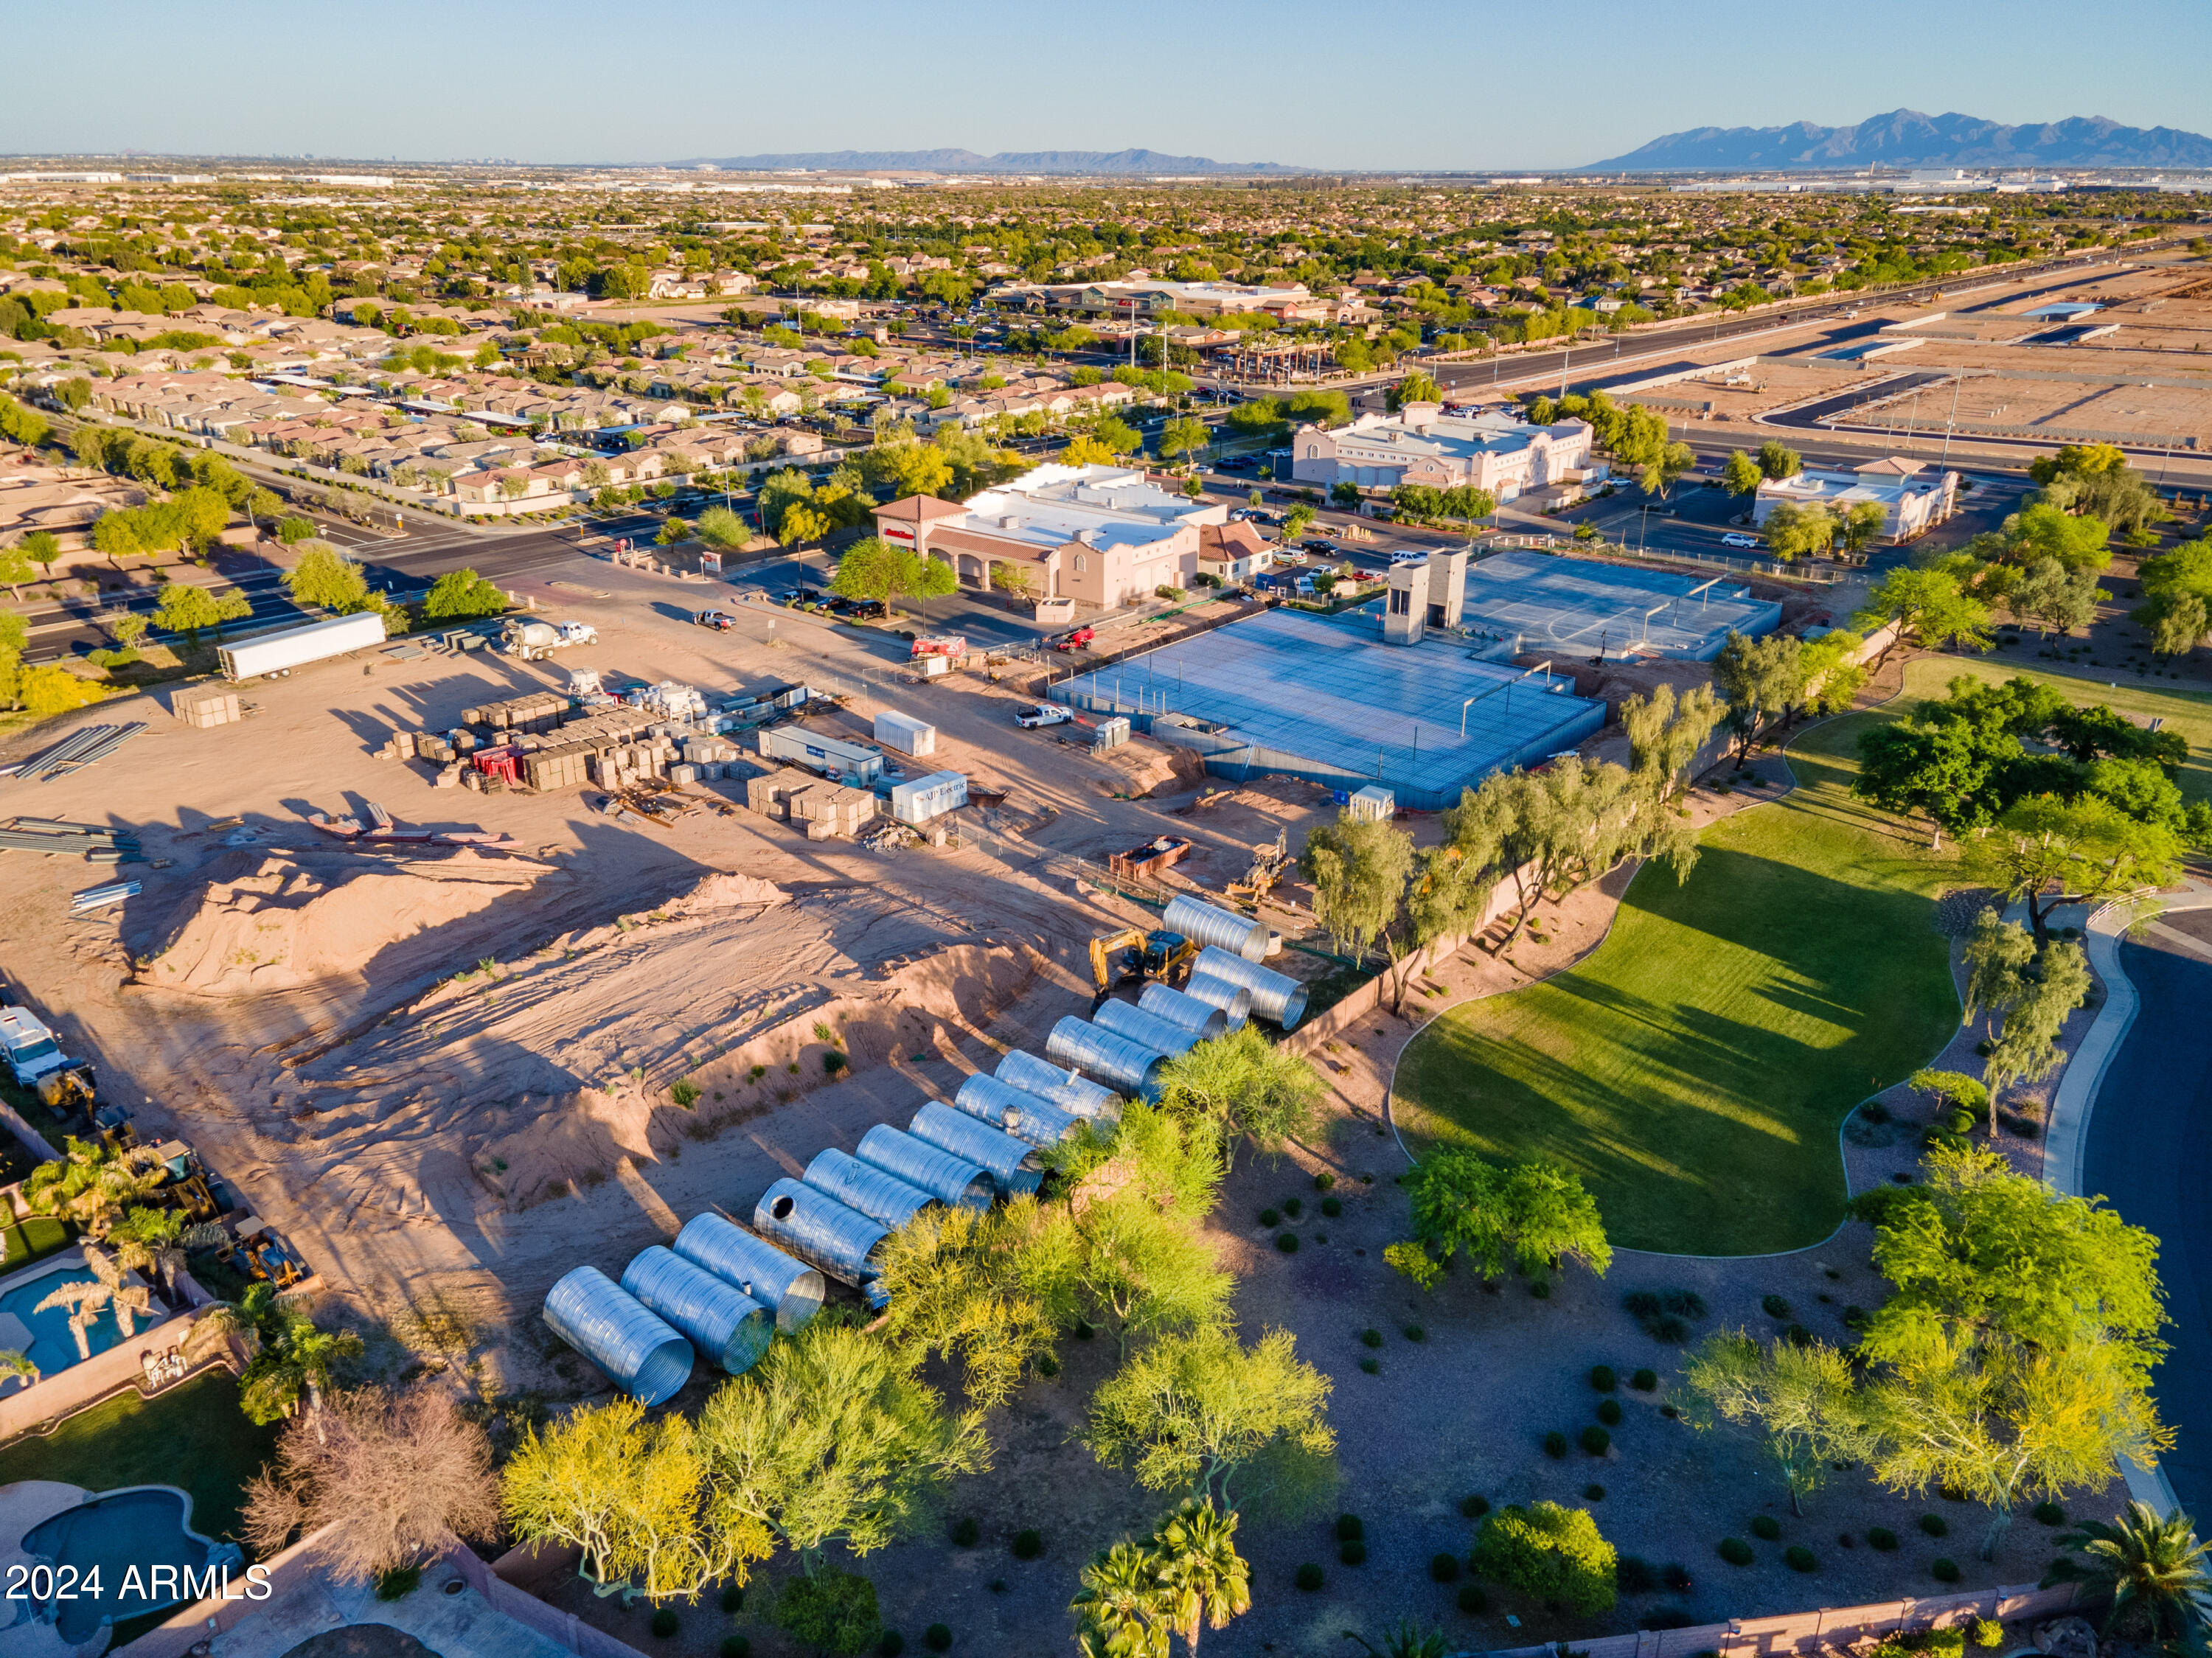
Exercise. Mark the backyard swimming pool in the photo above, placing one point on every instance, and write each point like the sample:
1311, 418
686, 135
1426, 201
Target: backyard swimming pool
46, 1336
127, 1536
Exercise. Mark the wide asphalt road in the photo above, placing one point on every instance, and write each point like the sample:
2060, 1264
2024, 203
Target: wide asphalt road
2149, 1149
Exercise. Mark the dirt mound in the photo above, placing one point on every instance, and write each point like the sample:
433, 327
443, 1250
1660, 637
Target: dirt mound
717, 892
289, 925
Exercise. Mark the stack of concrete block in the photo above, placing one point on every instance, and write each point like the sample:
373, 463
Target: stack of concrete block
831, 811
623, 764
566, 766
708, 751
539, 712
448, 777
683, 775
400, 745
212, 706
769, 794
434, 746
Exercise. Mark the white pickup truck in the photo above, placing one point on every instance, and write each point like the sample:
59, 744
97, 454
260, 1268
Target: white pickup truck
31, 1052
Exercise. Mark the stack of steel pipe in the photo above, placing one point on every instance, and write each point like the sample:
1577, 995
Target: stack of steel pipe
1209, 923
89, 842
1128, 1020
641, 1353
926, 1168
1070, 1090
791, 1289
814, 1226
85, 746
725, 1324
1276, 996
1025, 1116
1202, 1019
860, 1186
1131, 1067
1013, 1165
1234, 1000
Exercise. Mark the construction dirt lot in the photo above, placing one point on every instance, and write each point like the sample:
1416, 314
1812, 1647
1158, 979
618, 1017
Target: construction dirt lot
449, 1070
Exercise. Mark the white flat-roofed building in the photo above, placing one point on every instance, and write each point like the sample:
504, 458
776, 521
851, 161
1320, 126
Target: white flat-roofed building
1422, 444
1913, 494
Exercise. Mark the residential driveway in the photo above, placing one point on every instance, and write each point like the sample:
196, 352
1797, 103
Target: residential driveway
2149, 1149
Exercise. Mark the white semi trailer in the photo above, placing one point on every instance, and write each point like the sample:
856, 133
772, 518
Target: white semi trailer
280, 653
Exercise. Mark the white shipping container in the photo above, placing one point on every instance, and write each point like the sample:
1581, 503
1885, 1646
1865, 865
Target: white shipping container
294, 647
826, 754
905, 733
928, 797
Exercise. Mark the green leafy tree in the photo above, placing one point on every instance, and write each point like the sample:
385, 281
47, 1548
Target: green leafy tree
2177, 623
15, 569
2058, 598
723, 530
1929, 608
1777, 460
1358, 869
1860, 525
2046, 852
2041, 532
2151, 1571
460, 594
1416, 388
830, 1439
1761, 680
1666, 734
1241, 1086
1549, 1553
1183, 436
1740, 475
1665, 468
1794, 531
181, 608
42, 548
1190, 1411
960, 1284
1534, 1211
324, 577
1804, 1401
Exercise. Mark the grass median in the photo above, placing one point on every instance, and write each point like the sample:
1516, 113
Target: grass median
1696, 1068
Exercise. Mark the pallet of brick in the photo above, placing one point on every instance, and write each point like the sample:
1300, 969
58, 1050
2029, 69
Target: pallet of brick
556, 768
204, 709
771, 793
832, 810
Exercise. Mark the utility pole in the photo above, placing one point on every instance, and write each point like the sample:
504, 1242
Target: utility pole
1954, 419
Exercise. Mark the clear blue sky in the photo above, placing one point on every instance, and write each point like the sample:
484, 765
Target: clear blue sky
1475, 85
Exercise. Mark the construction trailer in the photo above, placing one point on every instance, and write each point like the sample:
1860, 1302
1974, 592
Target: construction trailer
295, 647
925, 797
829, 757
905, 733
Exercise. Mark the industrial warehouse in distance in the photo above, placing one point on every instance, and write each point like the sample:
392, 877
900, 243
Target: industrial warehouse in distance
884, 902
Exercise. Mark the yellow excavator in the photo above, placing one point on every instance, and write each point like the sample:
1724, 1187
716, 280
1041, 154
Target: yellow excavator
1135, 956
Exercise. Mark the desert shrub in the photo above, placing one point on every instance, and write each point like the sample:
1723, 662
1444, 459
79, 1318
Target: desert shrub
1415, 1333
1669, 1329
1676, 1577
937, 1637
1855, 1318
1736, 1552
1294, 1207
1684, 1303
1943, 1570
1332, 1207
891, 1645
1796, 1335
1287, 1242
1541, 1289
1349, 1529
1028, 1544
1472, 1600
1474, 1507
1595, 1440
398, 1582
1602, 1378
1774, 1306
1988, 1632
1608, 1412
1444, 1567
1765, 1528
739, 1646
1798, 1558
1371, 1366
1555, 1445
966, 1532
1641, 1304
833, 1062
1592, 1492
2049, 1514
1549, 1553
1935, 1525
1881, 1538
733, 1597
1353, 1553
1645, 1381
1323, 1181
1633, 1574
665, 1622
1270, 1217
1308, 1577
1371, 1338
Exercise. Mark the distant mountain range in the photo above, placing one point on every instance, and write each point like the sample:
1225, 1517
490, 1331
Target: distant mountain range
1114, 162
1907, 138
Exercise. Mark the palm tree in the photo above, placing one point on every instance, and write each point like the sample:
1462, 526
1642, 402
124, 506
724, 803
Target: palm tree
1408, 1640
84, 1301
1120, 1605
2154, 1570
1202, 1578
18, 1365
295, 1360
151, 1241
245, 1321
92, 1184
126, 1298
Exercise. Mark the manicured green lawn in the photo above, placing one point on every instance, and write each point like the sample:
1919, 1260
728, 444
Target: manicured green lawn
33, 1239
193, 1437
1695, 1070
2189, 713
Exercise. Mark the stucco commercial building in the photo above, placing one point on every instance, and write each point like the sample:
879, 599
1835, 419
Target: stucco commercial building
1913, 494
1422, 444
1103, 536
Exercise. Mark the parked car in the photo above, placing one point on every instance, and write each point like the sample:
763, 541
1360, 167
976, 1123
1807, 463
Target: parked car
1738, 539
720, 621
865, 610
1043, 714
1326, 548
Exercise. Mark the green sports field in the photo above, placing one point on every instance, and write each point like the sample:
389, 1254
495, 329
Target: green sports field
1696, 1068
